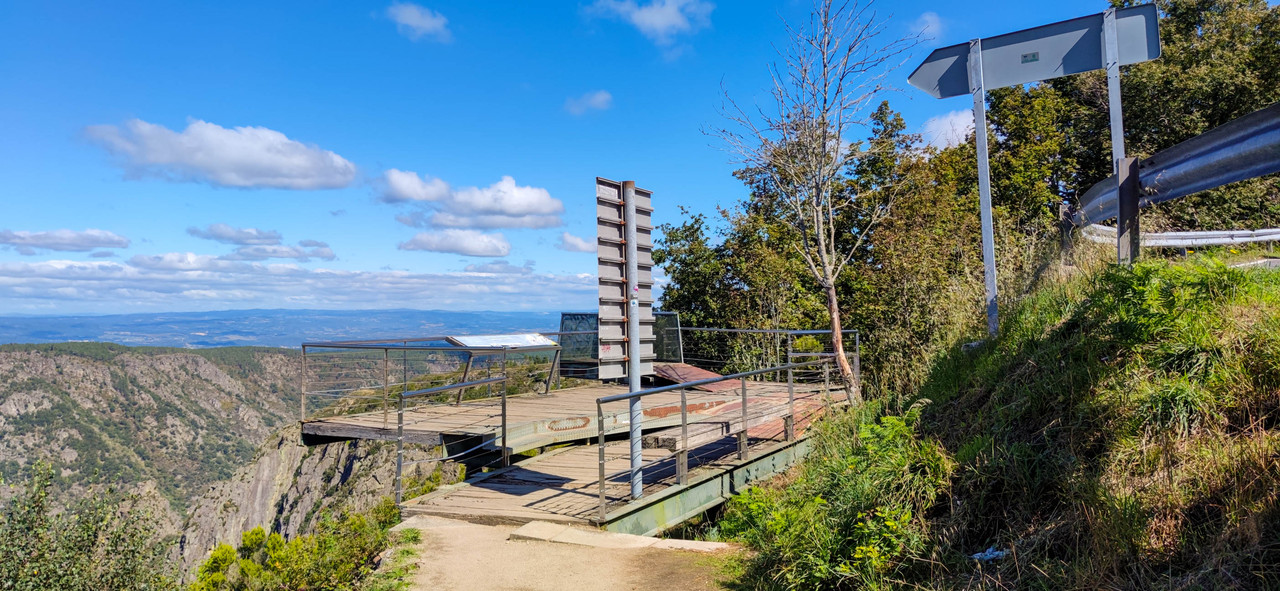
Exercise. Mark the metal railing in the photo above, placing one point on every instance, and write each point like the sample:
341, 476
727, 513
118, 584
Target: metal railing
739, 347
1107, 234
358, 377
683, 448
1245, 148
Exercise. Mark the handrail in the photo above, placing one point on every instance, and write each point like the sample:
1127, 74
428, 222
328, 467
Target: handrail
760, 331
703, 382
682, 454
452, 387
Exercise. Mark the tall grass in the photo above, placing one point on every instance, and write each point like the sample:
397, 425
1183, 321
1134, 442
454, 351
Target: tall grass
1121, 432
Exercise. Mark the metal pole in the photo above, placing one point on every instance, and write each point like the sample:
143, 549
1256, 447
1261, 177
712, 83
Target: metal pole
682, 456
791, 397
984, 181
857, 364
400, 452
633, 336
304, 384
554, 371
506, 449
386, 383
600, 445
1128, 245
742, 435
1111, 55
466, 371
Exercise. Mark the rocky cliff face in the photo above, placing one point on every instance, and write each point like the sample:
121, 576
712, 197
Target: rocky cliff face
206, 438
288, 487
173, 419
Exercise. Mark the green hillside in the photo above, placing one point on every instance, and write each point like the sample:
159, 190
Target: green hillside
1121, 432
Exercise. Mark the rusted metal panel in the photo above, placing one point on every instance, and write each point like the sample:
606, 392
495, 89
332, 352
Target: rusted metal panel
682, 372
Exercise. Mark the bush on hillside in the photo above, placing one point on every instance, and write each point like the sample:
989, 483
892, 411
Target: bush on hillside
338, 556
98, 544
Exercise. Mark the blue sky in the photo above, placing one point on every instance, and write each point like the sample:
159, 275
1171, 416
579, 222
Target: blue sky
162, 156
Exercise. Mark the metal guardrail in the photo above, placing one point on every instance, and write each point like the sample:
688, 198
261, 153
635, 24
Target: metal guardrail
1107, 234
1245, 148
682, 453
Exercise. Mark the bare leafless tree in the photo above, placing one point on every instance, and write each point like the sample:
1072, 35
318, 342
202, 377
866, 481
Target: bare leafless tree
832, 71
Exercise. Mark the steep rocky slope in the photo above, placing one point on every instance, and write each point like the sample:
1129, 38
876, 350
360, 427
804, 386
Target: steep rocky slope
176, 420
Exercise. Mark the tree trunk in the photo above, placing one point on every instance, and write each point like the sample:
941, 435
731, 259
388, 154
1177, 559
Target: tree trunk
854, 391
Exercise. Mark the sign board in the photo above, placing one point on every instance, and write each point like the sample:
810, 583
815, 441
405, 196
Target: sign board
615, 305
1041, 53
503, 340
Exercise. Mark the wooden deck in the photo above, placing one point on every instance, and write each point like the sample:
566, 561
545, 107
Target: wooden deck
535, 421
564, 486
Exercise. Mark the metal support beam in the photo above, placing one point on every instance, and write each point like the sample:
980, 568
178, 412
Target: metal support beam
633, 336
979, 93
1128, 245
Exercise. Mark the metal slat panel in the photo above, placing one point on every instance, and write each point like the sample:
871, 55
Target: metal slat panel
612, 286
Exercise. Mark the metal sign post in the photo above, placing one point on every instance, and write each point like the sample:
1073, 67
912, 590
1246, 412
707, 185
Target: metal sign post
984, 182
1111, 39
626, 323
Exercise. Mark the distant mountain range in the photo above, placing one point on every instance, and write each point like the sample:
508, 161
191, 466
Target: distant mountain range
267, 328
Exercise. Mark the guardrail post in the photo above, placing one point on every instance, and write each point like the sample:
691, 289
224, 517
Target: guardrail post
554, 371
682, 455
1128, 244
600, 444
742, 435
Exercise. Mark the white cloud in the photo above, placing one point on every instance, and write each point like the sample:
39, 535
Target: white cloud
503, 204
177, 281
596, 100
948, 129
416, 22
929, 26
278, 251
240, 236
243, 157
572, 243
464, 242
501, 267
28, 243
660, 20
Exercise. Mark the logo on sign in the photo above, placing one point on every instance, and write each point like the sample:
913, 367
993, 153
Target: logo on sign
1032, 57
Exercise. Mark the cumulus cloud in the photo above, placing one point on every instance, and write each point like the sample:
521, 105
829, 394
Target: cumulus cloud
240, 236
948, 129
929, 26
572, 243
503, 204
662, 21
501, 267
242, 157
29, 243
177, 281
419, 22
464, 242
596, 100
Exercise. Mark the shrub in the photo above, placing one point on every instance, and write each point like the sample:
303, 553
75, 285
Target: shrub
99, 543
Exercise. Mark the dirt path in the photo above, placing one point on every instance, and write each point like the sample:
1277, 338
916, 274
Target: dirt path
460, 555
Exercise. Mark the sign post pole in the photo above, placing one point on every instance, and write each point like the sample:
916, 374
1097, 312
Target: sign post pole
633, 335
1127, 242
984, 182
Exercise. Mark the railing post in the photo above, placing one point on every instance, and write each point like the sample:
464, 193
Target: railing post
857, 364
304, 384
826, 379
600, 435
386, 383
790, 421
742, 435
1128, 244
554, 371
400, 452
506, 449
682, 454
